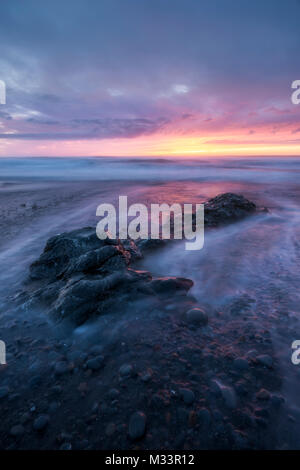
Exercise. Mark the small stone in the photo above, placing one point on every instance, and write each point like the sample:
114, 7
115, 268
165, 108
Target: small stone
113, 393
226, 392
263, 395
96, 363
66, 446
41, 422
277, 400
187, 395
196, 316
4, 391
204, 417
61, 367
126, 370
17, 430
137, 425
265, 360
110, 429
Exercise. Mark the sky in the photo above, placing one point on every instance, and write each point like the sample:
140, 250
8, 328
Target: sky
149, 77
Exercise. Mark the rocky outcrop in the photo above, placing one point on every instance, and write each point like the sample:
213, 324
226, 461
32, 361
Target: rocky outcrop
78, 275
227, 208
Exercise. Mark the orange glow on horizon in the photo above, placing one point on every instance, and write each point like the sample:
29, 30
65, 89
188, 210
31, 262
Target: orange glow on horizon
160, 145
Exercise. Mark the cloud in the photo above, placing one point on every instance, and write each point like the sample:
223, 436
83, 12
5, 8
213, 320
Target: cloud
93, 129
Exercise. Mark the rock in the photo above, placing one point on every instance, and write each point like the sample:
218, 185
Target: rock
137, 425
126, 370
196, 316
277, 400
227, 393
4, 391
110, 429
113, 393
227, 208
17, 430
204, 417
240, 364
167, 285
61, 367
66, 446
41, 422
265, 360
95, 363
187, 395
263, 395
79, 276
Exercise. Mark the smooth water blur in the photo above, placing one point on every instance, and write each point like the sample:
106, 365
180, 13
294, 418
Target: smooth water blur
79, 169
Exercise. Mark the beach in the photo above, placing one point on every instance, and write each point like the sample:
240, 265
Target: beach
232, 378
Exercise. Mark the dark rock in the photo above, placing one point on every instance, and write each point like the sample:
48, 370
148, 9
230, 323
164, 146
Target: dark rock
41, 422
66, 446
265, 360
17, 430
227, 208
126, 370
227, 393
95, 363
277, 400
137, 425
204, 417
61, 367
196, 316
263, 395
167, 285
187, 395
240, 364
79, 276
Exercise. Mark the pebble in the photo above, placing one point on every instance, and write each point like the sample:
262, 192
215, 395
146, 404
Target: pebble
96, 363
226, 392
204, 417
196, 316
110, 429
61, 367
277, 400
137, 425
41, 422
263, 395
126, 370
66, 446
265, 360
17, 430
187, 395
